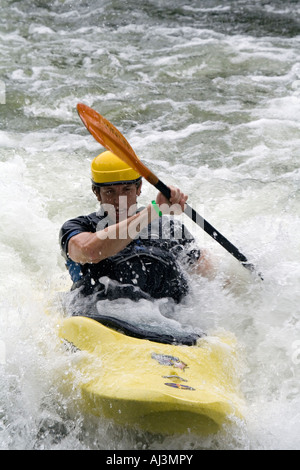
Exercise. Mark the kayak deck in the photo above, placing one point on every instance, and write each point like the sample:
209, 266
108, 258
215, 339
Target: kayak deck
157, 387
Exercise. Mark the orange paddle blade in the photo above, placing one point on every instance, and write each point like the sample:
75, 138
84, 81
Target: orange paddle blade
111, 138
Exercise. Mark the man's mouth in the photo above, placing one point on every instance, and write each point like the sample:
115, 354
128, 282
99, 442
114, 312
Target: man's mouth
121, 213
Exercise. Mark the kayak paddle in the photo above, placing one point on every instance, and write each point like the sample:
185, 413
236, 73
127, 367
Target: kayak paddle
108, 135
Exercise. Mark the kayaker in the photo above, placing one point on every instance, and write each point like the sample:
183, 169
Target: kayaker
123, 251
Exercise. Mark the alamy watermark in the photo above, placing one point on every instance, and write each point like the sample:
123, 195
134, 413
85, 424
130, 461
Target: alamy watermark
2, 92
138, 227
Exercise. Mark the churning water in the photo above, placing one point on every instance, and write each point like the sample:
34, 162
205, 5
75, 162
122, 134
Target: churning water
208, 94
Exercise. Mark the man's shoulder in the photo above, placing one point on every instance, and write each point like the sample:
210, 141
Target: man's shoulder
83, 221
72, 227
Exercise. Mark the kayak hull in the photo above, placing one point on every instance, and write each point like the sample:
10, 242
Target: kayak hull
160, 388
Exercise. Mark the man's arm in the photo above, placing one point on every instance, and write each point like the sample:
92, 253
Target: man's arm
205, 265
87, 247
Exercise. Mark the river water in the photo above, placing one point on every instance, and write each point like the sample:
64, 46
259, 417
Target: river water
208, 95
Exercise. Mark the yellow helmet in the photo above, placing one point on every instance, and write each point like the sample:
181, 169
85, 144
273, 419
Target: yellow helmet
108, 169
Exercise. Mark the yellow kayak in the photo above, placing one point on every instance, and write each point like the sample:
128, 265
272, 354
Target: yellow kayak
161, 388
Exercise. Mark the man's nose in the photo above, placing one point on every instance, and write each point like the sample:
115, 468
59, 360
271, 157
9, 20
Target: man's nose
122, 202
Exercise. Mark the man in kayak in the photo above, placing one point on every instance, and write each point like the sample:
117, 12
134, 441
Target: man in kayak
123, 251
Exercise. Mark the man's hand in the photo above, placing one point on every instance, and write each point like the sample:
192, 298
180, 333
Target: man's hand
177, 199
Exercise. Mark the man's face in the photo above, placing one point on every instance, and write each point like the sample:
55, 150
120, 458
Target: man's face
122, 197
